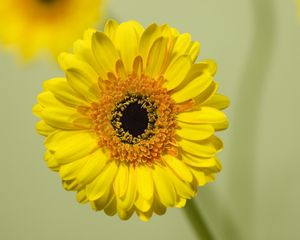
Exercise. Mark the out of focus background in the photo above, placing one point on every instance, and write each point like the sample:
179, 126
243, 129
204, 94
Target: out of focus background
256, 196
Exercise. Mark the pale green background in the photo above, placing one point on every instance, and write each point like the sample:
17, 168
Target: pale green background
256, 196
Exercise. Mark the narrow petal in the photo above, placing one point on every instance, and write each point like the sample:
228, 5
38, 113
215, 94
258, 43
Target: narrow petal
71, 146
179, 168
183, 189
127, 41
148, 37
63, 92
156, 58
199, 176
218, 101
143, 204
201, 149
205, 115
110, 29
145, 216
84, 84
98, 187
177, 71
194, 131
196, 161
95, 163
105, 53
65, 118
193, 88
158, 207
121, 181
144, 182
51, 162
69, 171
164, 187
83, 49
43, 128
128, 199
104, 200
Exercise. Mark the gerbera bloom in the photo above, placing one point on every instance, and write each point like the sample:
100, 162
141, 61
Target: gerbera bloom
131, 127
31, 25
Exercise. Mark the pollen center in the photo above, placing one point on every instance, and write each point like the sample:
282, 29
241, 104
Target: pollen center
134, 118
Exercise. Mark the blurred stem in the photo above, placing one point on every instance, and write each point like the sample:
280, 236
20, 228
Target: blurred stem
197, 221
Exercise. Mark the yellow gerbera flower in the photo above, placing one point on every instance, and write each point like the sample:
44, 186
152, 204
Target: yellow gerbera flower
131, 127
31, 25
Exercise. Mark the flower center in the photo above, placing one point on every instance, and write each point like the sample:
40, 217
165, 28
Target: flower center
134, 119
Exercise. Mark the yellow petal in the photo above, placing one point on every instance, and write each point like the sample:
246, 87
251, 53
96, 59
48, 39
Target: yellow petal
47, 99
95, 163
199, 176
143, 204
196, 161
43, 128
182, 44
65, 118
76, 147
70, 185
156, 57
124, 214
179, 168
145, 216
181, 203
110, 29
218, 101
183, 189
84, 84
121, 181
127, 41
51, 162
201, 149
158, 207
105, 53
98, 187
81, 196
111, 208
177, 71
194, 51
83, 49
127, 201
104, 200
192, 89
206, 94
148, 37
205, 115
164, 186
194, 131
217, 142
69, 171
63, 92
144, 182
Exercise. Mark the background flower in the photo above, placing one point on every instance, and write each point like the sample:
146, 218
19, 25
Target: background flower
43, 25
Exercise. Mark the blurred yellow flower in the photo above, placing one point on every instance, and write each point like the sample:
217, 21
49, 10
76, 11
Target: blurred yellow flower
131, 127
32, 25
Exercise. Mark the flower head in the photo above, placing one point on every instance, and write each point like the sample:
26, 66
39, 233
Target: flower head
32, 25
131, 127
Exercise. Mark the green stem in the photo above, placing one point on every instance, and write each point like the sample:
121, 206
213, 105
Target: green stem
197, 221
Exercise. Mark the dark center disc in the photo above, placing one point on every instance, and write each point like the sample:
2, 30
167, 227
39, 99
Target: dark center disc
134, 119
